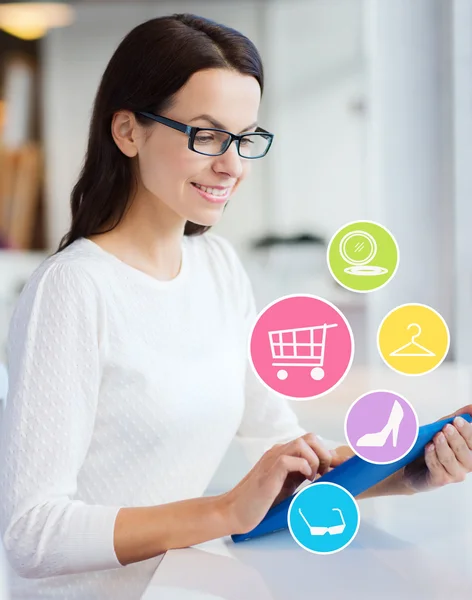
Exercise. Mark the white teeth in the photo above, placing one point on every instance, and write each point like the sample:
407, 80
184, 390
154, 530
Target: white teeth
212, 191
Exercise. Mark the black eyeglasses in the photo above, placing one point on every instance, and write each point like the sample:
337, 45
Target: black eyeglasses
214, 142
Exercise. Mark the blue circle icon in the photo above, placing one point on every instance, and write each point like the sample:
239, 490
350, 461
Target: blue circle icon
323, 518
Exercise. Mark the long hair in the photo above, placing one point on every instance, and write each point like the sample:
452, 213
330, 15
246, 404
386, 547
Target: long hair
148, 67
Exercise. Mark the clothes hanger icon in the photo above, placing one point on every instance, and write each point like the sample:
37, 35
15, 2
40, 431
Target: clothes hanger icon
424, 351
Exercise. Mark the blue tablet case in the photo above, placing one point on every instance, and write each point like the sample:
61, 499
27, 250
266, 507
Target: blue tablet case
355, 475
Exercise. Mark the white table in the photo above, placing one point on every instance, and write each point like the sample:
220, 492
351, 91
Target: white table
429, 557
414, 548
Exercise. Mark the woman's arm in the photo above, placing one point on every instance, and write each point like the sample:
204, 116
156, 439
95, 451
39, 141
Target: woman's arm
55, 356
141, 533
145, 532
55, 352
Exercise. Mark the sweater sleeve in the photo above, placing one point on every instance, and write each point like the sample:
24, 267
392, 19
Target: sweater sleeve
54, 354
268, 418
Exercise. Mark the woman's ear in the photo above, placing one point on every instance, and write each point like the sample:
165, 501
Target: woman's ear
125, 131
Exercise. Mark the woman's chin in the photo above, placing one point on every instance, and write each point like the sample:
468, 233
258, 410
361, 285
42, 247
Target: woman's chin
207, 220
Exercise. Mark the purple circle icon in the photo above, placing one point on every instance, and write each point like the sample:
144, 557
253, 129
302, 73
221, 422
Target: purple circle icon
381, 427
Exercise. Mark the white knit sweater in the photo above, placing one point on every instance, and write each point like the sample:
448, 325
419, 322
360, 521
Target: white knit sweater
123, 391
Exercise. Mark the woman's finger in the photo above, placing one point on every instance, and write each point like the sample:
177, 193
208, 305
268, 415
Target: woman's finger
459, 446
437, 474
300, 447
465, 429
323, 454
287, 464
304, 450
447, 457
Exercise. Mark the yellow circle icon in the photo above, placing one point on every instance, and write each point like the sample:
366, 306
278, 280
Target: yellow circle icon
413, 339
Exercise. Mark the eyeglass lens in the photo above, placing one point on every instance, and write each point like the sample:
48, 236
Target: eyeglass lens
213, 143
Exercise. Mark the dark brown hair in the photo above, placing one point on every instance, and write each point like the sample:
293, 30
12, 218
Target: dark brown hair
149, 66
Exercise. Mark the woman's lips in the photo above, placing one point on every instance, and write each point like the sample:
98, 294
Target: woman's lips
211, 198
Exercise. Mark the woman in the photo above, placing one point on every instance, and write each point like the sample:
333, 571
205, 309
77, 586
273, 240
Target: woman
127, 348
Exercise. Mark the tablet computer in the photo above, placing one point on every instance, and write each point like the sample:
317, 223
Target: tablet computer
356, 475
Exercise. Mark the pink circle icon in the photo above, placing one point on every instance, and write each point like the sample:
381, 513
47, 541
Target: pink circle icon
301, 346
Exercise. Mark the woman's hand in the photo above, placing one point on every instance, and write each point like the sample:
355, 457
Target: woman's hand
447, 459
275, 477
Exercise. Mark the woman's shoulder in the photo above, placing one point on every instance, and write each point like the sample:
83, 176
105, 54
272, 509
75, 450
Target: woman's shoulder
62, 273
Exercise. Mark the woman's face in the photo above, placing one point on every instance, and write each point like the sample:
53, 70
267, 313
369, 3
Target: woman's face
169, 170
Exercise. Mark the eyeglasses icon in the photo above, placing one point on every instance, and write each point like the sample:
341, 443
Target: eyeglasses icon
334, 530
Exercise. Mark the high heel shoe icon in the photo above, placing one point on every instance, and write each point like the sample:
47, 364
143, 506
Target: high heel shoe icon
393, 425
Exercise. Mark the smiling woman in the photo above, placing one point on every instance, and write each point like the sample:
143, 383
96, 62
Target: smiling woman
129, 344
181, 69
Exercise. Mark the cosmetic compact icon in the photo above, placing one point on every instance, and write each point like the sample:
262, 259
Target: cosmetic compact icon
358, 248
333, 530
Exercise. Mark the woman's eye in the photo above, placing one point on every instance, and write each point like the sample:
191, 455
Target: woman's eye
246, 142
203, 139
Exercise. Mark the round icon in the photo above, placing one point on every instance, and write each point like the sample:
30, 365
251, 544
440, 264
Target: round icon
358, 248
363, 256
413, 339
323, 518
381, 427
301, 346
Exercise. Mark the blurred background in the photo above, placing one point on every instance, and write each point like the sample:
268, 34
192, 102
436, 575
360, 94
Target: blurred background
371, 105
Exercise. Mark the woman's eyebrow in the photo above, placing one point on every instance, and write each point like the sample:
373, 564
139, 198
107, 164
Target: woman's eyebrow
218, 125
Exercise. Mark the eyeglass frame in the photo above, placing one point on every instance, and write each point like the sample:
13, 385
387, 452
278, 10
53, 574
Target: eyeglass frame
191, 132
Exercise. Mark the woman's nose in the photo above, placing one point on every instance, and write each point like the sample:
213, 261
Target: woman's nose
230, 162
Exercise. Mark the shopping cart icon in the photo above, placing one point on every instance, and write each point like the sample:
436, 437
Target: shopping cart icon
297, 348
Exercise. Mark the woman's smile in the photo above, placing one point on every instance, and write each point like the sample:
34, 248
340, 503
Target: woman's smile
216, 194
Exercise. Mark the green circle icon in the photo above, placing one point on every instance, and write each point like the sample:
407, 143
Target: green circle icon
363, 256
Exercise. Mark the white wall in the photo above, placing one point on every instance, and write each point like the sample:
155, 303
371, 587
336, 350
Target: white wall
462, 64
316, 68
410, 155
